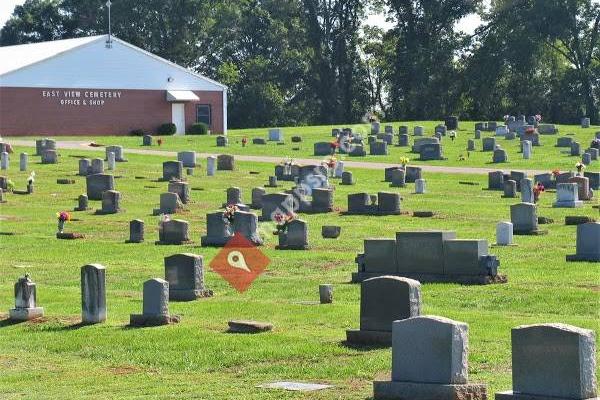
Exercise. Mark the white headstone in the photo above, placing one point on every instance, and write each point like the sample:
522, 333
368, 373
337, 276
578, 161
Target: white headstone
504, 233
4, 160
527, 149
211, 165
111, 158
339, 169
527, 190
420, 186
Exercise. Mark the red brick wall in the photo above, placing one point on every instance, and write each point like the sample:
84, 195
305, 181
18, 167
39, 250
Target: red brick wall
27, 112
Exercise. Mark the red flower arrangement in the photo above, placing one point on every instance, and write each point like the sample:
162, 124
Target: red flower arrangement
538, 189
159, 141
229, 213
244, 141
283, 221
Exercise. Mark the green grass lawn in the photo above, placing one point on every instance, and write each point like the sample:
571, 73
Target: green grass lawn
54, 358
545, 157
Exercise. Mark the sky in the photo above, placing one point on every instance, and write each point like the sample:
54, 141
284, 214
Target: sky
467, 24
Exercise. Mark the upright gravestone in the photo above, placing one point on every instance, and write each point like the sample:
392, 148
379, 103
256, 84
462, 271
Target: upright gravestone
136, 231
4, 160
84, 167
588, 243
118, 150
225, 162
187, 158
276, 203
257, 195
97, 166
82, 203
398, 178
420, 186
585, 122
276, 135
527, 148
418, 131
23, 161
111, 161
488, 144
25, 301
111, 202
93, 294
527, 190
218, 230
347, 178
575, 149
295, 236
524, 219
500, 156
147, 140
552, 361
246, 224
384, 300
583, 187
182, 189
211, 165
174, 231
495, 180
339, 169
97, 184
451, 122
470, 145
586, 158
567, 196
49, 157
222, 141
504, 233
429, 361
185, 274
403, 140
413, 173
510, 189
172, 170
155, 309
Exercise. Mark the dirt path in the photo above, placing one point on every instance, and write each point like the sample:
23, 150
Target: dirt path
84, 145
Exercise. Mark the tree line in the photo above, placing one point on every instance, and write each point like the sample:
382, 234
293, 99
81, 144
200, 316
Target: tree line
297, 62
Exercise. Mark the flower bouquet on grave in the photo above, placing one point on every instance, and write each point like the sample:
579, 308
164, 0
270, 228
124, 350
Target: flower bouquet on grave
404, 161
63, 217
505, 118
595, 144
244, 141
30, 181
162, 219
580, 167
555, 173
229, 214
538, 118
452, 135
538, 189
159, 141
530, 130
333, 145
287, 166
282, 221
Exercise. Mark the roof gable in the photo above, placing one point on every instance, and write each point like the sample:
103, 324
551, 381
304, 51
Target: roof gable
87, 63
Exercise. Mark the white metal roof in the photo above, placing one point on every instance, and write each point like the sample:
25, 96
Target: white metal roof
16, 58
181, 95
19, 56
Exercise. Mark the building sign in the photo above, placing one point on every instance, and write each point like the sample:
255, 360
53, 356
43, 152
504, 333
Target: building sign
81, 98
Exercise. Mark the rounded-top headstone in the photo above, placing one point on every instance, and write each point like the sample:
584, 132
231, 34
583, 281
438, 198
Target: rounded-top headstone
430, 349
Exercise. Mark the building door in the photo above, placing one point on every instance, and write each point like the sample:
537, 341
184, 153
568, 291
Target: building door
178, 117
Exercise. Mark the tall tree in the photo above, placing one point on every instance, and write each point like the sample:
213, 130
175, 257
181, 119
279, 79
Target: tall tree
337, 74
424, 81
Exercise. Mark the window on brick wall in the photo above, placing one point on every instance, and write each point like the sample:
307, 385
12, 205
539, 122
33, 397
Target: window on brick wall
203, 114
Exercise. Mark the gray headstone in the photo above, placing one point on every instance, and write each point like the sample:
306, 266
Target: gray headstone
23, 161
97, 166
225, 162
386, 299
185, 274
296, 237
175, 231
398, 178
111, 202
49, 157
421, 252
430, 349
257, 195
524, 217
147, 140
156, 297
136, 231
93, 294
488, 144
527, 190
211, 165
567, 196
575, 149
84, 167
274, 203
97, 184
588, 243
496, 180
554, 360
187, 158
172, 170
182, 189
510, 188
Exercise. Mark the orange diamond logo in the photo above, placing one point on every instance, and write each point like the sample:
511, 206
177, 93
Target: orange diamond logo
240, 262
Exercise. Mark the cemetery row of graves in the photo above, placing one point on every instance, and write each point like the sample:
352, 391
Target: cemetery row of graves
111, 284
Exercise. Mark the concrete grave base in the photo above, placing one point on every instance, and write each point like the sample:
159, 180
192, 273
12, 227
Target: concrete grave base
134, 241
375, 213
530, 233
588, 258
378, 338
303, 247
25, 314
510, 395
69, 236
159, 243
152, 320
101, 212
358, 277
81, 209
578, 220
426, 391
189, 295
214, 241
568, 204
